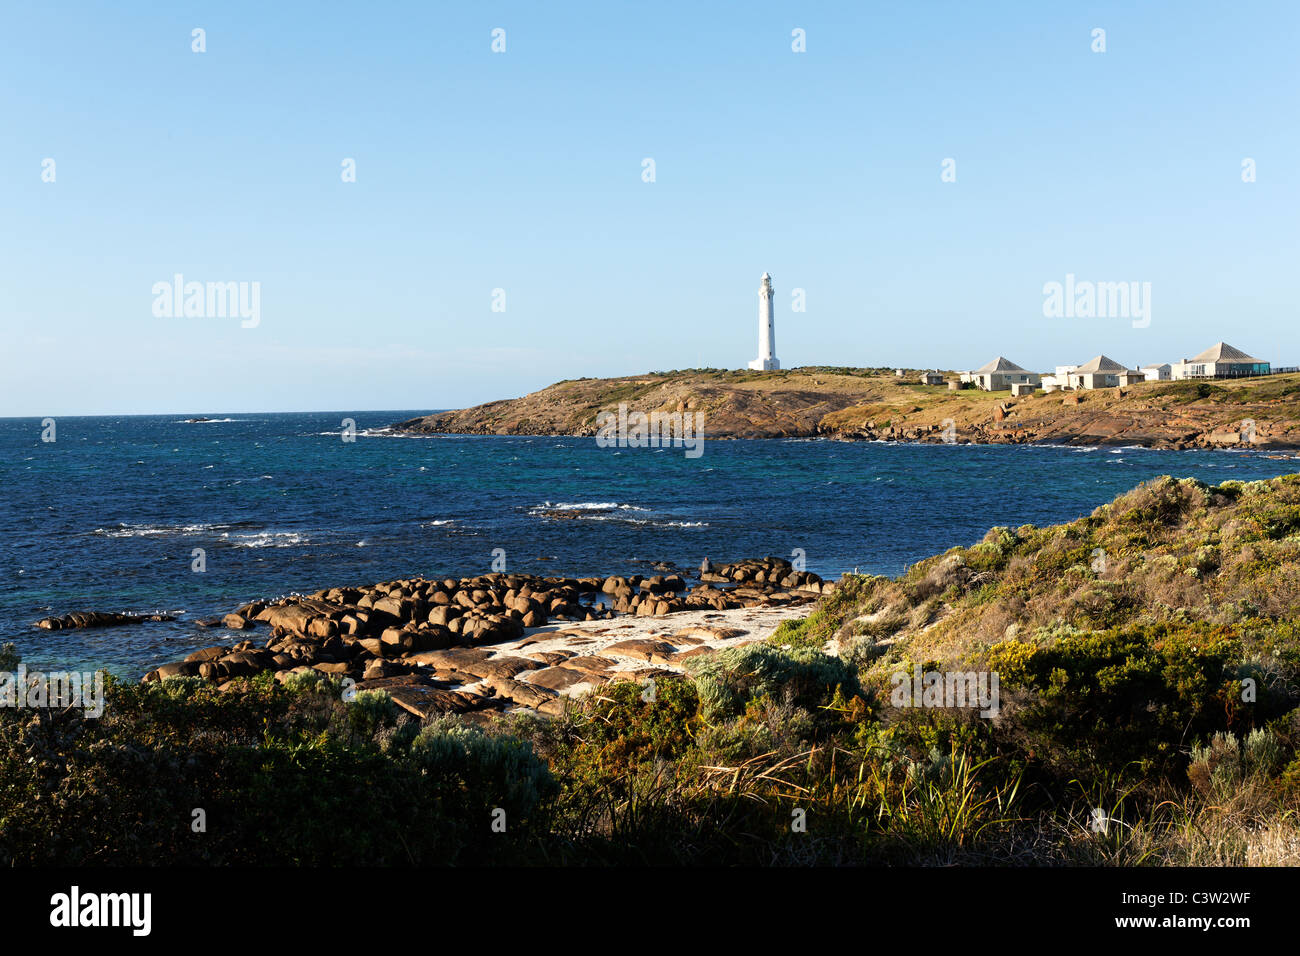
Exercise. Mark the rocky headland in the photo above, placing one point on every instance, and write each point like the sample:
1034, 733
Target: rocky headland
877, 405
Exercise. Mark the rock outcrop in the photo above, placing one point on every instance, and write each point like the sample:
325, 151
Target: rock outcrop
432, 644
79, 619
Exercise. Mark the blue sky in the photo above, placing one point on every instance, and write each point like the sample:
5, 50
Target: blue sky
523, 171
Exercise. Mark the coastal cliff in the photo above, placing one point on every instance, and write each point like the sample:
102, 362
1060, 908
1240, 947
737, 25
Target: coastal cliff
875, 404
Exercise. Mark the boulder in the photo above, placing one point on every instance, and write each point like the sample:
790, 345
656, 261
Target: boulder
322, 627
453, 658
526, 695
644, 649
333, 667
443, 614
425, 701
291, 617
80, 619
174, 669
562, 677
245, 663
709, 632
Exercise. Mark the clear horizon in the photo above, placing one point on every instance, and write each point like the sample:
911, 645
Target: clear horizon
518, 178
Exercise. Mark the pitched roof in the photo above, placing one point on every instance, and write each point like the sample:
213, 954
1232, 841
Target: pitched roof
1100, 364
1001, 364
1223, 352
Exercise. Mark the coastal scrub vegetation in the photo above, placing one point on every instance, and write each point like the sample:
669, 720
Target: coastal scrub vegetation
175, 772
1148, 658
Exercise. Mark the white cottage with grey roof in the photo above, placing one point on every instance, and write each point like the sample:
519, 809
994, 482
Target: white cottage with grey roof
1220, 360
1102, 372
999, 375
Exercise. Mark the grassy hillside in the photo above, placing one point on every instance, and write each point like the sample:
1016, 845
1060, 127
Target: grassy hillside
876, 404
1168, 552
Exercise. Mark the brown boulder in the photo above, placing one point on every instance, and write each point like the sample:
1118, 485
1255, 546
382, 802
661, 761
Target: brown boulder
292, 617
175, 669
562, 677
644, 649
452, 658
526, 695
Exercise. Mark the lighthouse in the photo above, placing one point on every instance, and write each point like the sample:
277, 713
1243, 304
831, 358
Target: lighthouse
766, 360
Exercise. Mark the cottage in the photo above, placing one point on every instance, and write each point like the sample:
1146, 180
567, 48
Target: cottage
931, 378
1157, 373
1220, 360
999, 375
1102, 372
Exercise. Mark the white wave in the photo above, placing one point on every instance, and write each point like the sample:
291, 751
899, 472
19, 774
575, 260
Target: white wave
587, 506
266, 539
208, 421
646, 522
156, 530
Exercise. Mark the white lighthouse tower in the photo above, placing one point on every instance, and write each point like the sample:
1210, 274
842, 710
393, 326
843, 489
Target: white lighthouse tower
766, 360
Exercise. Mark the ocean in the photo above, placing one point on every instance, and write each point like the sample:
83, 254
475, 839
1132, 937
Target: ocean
112, 515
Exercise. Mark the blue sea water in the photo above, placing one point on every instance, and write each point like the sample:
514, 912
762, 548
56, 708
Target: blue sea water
108, 516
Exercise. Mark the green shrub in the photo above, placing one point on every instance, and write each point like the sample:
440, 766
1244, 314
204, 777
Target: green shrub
726, 681
1263, 753
827, 621
624, 727
475, 774
992, 553
1216, 767
1100, 702
370, 710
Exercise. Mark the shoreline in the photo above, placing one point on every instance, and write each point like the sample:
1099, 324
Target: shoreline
1056, 442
